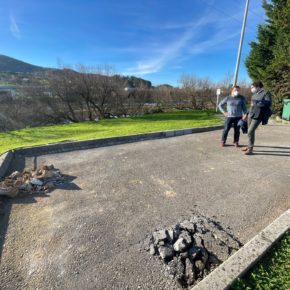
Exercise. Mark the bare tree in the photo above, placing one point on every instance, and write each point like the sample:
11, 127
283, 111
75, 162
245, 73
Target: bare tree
200, 91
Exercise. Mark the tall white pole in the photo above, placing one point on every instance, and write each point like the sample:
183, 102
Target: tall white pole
241, 42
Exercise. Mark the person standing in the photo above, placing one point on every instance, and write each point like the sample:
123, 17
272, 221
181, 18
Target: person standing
236, 109
260, 112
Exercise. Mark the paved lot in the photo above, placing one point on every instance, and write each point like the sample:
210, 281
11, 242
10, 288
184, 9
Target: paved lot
87, 234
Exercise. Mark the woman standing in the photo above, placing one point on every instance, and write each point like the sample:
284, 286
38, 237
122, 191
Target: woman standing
236, 109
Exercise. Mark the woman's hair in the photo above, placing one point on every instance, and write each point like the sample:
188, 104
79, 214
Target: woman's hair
258, 84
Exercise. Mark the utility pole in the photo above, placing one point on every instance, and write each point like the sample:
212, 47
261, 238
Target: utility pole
241, 42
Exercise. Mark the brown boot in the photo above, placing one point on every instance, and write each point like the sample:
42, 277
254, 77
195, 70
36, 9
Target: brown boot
244, 149
249, 151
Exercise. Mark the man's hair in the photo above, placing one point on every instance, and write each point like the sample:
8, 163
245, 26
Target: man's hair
258, 84
236, 87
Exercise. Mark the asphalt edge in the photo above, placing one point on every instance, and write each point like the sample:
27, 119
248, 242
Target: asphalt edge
6, 158
241, 261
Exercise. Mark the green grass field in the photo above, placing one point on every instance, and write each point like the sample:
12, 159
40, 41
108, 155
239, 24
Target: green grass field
272, 272
106, 128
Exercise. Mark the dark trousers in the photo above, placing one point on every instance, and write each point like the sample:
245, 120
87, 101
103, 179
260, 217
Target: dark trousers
252, 127
229, 121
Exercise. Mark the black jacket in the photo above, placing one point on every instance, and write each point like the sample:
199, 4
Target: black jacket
261, 106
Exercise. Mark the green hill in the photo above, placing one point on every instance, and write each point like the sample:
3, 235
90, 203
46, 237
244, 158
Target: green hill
9, 64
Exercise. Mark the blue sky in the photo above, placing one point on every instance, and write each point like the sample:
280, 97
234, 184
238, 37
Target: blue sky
157, 40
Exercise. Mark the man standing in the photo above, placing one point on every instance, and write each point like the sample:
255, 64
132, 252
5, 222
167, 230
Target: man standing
259, 113
236, 108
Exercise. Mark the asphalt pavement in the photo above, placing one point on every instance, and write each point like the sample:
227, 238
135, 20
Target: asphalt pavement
87, 234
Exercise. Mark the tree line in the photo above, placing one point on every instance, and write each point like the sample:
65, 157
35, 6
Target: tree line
269, 59
86, 94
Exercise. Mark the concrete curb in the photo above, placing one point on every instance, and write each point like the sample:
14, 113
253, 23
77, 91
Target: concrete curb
240, 262
6, 158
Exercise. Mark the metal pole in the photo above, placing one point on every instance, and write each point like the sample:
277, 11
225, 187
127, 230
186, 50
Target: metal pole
217, 102
218, 92
241, 42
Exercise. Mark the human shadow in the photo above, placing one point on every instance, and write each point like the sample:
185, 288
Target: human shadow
274, 147
270, 150
282, 151
272, 154
273, 151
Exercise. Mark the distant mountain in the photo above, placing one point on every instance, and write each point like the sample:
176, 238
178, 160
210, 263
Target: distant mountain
164, 86
9, 64
135, 82
12, 65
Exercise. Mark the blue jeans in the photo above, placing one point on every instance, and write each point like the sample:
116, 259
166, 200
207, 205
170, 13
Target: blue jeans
229, 121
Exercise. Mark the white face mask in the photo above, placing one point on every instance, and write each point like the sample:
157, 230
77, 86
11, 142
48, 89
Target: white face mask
236, 93
254, 90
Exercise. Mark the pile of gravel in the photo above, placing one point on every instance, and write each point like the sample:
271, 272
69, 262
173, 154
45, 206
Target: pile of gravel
192, 248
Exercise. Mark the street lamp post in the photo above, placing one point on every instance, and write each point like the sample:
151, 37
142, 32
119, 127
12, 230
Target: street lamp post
241, 43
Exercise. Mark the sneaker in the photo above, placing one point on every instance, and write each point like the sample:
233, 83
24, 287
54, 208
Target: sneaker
237, 144
223, 143
249, 151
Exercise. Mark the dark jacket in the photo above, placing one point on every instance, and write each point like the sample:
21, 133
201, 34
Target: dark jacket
261, 106
243, 125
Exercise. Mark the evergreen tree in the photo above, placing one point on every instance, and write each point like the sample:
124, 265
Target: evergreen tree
269, 58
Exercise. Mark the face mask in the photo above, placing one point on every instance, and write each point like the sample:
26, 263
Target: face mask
236, 93
253, 90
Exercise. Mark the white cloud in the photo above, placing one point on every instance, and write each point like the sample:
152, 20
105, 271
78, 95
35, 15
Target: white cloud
190, 42
14, 29
169, 51
170, 25
211, 32
217, 39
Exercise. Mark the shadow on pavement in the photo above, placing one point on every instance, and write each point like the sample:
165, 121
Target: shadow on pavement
281, 151
273, 151
274, 147
272, 154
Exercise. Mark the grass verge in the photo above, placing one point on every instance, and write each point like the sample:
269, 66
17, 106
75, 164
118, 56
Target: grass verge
272, 272
106, 128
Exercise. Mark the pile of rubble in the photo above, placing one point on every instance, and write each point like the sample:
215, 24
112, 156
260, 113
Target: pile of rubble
193, 248
41, 180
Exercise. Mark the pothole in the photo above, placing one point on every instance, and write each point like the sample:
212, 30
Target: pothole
191, 249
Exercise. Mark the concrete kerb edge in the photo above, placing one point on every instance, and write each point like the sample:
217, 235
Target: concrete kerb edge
241, 261
7, 157
5, 160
